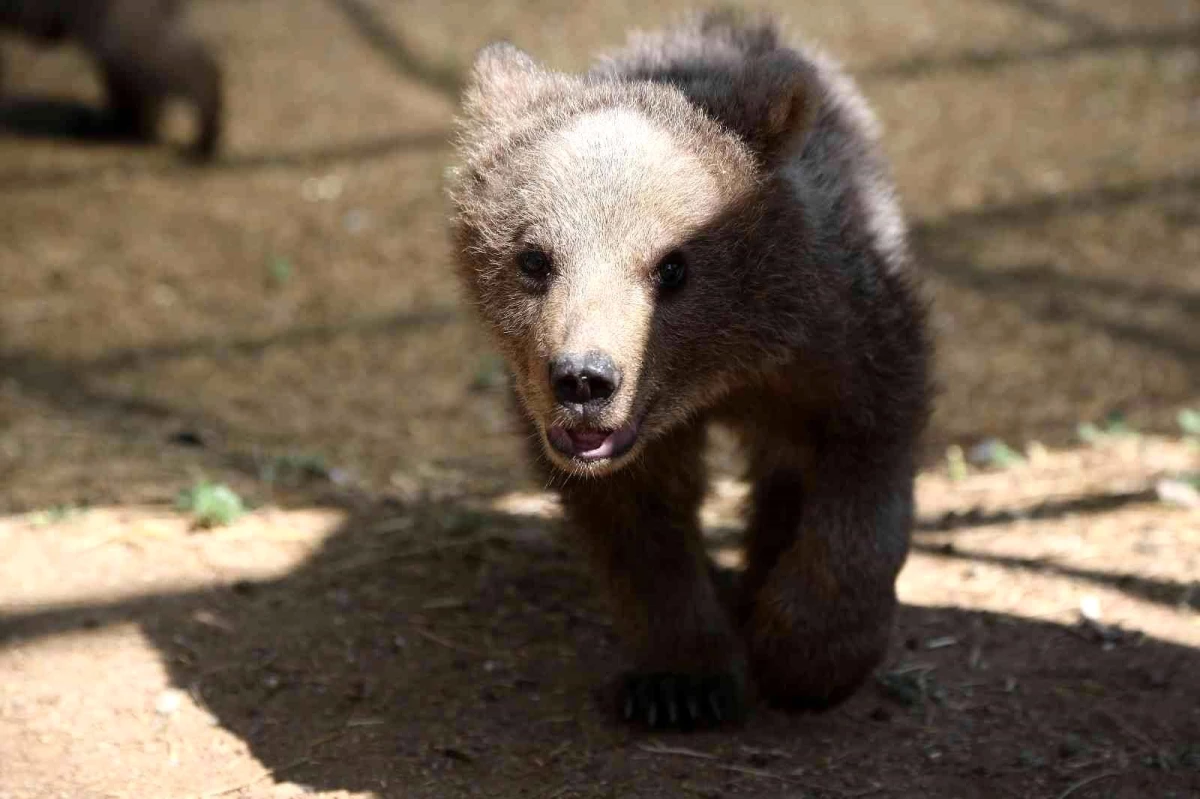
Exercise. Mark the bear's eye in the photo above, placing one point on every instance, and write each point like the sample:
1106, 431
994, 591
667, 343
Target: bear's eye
671, 270
534, 263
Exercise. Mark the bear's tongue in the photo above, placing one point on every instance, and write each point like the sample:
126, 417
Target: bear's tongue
586, 444
588, 440
592, 444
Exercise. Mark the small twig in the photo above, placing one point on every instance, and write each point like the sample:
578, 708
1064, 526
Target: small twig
802, 783
762, 773
558, 750
366, 722
1088, 781
754, 750
1130, 730
657, 748
661, 749
437, 639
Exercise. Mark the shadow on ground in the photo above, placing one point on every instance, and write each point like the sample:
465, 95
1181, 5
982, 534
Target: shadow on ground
402, 664
53, 118
89, 128
1156, 318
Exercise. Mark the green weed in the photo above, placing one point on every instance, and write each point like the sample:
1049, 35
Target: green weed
211, 504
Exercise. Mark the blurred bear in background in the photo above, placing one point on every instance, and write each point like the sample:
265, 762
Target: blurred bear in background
146, 55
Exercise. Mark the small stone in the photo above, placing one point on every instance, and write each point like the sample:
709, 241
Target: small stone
1089, 608
168, 702
1177, 492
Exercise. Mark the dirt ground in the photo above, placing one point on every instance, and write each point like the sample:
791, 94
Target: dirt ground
400, 613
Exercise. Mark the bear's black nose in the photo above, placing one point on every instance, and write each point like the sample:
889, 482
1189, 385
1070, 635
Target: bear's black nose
588, 378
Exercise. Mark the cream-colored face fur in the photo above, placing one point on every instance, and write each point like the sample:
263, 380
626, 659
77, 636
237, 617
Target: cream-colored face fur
607, 197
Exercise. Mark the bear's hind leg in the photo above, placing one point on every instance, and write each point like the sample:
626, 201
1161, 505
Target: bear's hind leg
825, 544
776, 501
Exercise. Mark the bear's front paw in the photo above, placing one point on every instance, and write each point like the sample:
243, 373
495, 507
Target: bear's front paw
664, 700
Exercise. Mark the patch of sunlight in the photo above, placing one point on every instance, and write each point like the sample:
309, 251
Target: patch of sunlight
1068, 599
99, 715
542, 505
119, 552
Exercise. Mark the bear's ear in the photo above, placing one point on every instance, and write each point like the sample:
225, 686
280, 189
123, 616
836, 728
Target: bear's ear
501, 67
791, 102
776, 99
503, 81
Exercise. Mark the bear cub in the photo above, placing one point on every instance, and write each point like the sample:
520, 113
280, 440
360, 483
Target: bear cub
701, 229
146, 57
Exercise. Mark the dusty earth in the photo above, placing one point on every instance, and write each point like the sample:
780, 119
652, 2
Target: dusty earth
399, 614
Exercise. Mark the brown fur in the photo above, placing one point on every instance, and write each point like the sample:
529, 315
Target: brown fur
145, 53
798, 325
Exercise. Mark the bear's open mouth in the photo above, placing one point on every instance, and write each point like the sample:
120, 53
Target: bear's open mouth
593, 445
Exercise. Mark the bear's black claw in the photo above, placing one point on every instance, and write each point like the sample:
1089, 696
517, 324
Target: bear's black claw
667, 701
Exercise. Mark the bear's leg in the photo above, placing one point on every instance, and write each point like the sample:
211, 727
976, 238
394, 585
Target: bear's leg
641, 528
189, 72
204, 89
827, 538
776, 500
132, 102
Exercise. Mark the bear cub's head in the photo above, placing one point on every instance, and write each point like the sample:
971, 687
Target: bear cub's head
605, 229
